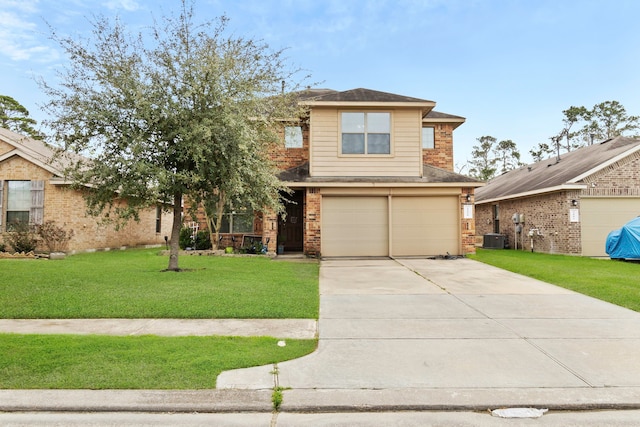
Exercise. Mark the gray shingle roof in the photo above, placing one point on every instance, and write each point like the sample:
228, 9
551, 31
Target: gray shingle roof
551, 174
438, 115
356, 95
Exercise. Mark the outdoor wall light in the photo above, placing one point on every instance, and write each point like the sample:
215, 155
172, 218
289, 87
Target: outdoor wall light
574, 202
468, 197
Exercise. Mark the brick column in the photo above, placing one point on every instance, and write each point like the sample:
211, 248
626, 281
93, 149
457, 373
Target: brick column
270, 230
312, 222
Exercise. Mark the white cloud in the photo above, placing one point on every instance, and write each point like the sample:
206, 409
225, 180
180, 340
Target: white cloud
24, 6
128, 5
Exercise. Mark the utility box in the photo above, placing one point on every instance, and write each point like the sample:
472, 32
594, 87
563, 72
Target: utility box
493, 241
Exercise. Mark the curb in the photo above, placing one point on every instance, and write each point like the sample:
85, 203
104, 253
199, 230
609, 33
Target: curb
318, 400
386, 400
210, 401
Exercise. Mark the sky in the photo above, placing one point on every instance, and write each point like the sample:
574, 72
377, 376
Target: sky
510, 67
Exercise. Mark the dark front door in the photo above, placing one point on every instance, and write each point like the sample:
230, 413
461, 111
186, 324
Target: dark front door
290, 228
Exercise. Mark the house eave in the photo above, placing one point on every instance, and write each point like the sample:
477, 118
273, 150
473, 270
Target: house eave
425, 105
456, 122
563, 187
364, 184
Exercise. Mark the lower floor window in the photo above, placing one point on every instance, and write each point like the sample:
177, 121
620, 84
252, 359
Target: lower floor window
237, 223
18, 201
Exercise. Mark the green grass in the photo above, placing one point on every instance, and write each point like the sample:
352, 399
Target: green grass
146, 362
131, 284
613, 281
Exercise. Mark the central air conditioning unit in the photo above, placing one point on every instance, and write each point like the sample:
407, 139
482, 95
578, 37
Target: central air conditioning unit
493, 241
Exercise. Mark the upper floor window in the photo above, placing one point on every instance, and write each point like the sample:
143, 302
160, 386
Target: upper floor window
366, 133
428, 138
293, 137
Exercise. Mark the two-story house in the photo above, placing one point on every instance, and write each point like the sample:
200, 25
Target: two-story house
372, 175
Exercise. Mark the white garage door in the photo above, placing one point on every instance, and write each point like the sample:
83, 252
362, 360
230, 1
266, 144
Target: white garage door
355, 226
425, 226
359, 226
600, 216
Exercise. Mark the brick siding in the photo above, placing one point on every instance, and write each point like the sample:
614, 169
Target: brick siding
549, 213
441, 155
467, 225
312, 222
286, 158
67, 208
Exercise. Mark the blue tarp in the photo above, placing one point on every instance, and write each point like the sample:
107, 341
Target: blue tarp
625, 242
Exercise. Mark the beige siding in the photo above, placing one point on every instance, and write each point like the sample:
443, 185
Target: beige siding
406, 152
4, 147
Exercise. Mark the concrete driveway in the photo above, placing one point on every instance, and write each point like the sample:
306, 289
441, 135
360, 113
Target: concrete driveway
419, 333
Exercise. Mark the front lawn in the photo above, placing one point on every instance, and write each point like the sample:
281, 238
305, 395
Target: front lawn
617, 282
131, 284
146, 362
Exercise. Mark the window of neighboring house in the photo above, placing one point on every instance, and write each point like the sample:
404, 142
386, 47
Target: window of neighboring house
366, 133
293, 137
428, 138
24, 201
158, 219
496, 219
18, 201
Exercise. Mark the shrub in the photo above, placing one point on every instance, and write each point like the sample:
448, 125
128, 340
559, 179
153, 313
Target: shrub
186, 240
21, 237
54, 237
201, 243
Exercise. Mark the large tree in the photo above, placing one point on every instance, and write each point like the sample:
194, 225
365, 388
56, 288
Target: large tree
491, 156
605, 120
540, 151
483, 162
14, 116
507, 155
184, 110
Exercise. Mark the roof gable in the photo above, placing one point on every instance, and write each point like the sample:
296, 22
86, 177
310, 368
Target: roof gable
553, 174
34, 151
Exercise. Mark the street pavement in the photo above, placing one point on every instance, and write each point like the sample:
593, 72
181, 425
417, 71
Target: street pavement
414, 335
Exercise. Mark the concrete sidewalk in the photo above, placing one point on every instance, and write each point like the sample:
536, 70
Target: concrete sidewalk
277, 328
419, 333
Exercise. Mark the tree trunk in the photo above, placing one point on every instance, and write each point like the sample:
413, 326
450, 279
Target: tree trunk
215, 222
174, 245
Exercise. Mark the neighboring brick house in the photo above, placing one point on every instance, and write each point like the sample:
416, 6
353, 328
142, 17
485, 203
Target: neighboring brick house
32, 188
372, 175
568, 205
